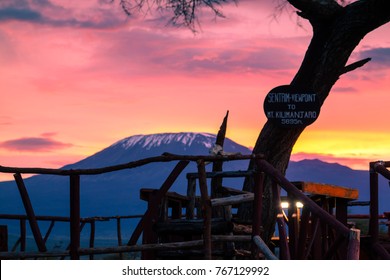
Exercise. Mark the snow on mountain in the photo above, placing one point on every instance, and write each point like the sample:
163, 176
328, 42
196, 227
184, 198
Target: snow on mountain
155, 140
143, 146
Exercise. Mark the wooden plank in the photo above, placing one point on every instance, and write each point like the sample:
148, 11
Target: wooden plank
232, 200
327, 190
30, 213
232, 191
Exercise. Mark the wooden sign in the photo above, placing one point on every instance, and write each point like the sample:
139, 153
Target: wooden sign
289, 107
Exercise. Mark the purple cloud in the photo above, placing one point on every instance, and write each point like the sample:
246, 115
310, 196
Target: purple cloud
34, 144
380, 57
44, 12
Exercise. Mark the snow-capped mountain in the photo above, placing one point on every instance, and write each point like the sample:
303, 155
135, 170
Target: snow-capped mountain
142, 146
116, 193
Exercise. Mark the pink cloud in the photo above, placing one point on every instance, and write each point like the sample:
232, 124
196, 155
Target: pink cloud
34, 144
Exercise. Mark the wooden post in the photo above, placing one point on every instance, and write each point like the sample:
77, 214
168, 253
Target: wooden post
303, 232
387, 215
283, 243
22, 235
3, 238
316, 242
206, 209
119, 234
216, 182
74, 217
257, 207
354, 245
149, 236
30, 213
293, 226
342, 215
373, 230
191, 188
92, 237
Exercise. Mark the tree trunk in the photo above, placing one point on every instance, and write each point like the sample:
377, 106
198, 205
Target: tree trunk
337, 31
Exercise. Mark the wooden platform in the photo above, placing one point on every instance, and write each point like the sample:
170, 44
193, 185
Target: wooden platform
327, 190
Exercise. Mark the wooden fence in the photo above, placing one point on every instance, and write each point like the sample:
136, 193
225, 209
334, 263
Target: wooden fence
342, 234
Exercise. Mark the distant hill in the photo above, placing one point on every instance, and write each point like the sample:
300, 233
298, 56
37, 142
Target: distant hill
117, 193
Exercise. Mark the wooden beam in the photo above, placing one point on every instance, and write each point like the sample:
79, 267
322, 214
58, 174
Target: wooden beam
232, 200
30, 213
166, 157
264, 248
327, 190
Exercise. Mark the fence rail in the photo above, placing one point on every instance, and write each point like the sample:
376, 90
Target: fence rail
320, 216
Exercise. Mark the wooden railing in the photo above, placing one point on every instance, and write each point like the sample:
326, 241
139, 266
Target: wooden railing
74, 192
343, 234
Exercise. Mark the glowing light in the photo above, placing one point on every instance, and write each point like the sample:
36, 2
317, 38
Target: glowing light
285, 204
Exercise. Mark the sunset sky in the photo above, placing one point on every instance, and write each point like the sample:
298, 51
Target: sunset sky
76, 76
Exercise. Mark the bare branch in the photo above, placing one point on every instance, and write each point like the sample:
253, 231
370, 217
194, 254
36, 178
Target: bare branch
355, 65
185, 12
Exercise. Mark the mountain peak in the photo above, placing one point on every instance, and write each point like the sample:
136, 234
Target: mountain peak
155, 140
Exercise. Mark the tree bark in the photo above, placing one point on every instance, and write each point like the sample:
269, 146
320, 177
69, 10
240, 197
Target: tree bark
337, 30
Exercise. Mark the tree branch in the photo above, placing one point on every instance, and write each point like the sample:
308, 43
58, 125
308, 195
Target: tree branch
369, 14
355, 65
316, 9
